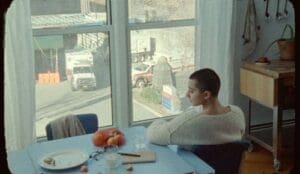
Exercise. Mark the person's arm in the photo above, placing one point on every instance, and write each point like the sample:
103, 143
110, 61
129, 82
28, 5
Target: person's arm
160, 131
242, 122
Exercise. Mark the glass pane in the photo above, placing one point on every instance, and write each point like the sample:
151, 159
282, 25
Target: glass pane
72, 70
72, 77
140, 11
162, 60
63, 13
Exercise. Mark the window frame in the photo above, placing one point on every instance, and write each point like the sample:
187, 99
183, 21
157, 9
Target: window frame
118, 29
161, 25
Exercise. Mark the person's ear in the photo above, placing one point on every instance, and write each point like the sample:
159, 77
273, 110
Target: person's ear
207, 94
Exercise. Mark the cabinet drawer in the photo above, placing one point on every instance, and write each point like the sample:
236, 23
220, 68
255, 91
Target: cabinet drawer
259, 87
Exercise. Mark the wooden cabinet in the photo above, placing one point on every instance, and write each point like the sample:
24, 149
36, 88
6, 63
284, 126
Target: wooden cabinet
272, 86
259, 87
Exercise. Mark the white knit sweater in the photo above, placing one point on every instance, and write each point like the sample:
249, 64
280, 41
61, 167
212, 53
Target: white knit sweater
194, 128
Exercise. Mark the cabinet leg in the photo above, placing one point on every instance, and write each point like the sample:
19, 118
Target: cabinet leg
276, 164
250, 148
277, 136
248, 128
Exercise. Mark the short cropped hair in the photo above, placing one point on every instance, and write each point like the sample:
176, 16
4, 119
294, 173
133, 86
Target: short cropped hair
207, 79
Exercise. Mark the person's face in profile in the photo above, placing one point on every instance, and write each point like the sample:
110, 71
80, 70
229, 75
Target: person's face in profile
194, 94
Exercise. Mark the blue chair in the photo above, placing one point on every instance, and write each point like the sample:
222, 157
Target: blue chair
89, 122
224, 158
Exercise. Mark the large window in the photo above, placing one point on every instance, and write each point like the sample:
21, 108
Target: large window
72, 60
162, 47
75, 60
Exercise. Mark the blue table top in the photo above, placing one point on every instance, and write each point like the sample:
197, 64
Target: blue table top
168, 160
19, 161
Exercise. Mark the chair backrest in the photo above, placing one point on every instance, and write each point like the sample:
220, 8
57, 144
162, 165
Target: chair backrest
89, 122
224, 158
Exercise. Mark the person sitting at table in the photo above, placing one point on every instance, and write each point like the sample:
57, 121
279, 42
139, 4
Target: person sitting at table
207, 122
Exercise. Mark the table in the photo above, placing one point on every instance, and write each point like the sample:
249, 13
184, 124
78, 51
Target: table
19, 161
272, 86
168, 160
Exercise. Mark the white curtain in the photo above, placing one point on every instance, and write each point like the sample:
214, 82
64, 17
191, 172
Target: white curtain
216, 27
19, 78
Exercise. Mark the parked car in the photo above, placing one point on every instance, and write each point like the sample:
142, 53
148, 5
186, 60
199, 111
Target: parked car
142, 74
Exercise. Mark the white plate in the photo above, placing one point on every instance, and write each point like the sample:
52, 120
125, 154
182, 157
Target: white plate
64, 159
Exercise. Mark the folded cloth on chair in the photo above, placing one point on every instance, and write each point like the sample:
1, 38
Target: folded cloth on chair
67, 126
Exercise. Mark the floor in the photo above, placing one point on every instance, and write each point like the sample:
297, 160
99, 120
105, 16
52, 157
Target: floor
259, 161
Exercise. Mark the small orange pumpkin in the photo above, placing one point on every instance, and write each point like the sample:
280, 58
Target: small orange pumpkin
118, 139
99, 138
110, 136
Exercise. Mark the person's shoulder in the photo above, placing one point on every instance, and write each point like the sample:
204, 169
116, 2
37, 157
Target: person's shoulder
193, 110
188, 114
236, 109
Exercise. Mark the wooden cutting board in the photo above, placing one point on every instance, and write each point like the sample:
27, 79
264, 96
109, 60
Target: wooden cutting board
146, 156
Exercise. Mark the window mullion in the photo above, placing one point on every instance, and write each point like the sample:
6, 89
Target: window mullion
197, 35
162, 24
120, 71
70, 30
108, 12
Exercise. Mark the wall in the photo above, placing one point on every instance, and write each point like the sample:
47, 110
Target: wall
269, 31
